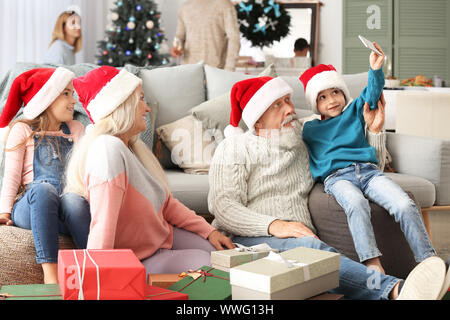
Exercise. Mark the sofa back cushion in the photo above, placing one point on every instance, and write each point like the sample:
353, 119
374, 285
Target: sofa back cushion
219, 82
175, 90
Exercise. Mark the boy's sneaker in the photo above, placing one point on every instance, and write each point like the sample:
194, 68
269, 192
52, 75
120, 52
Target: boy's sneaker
446, 285
425, 281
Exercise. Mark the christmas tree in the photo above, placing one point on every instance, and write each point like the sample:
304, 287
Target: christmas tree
135, 36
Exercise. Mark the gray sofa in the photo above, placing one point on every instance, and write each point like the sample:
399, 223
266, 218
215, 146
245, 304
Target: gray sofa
423, 167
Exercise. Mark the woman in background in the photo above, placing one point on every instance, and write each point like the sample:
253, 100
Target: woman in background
66, 39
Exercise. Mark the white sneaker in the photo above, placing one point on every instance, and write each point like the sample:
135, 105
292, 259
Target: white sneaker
446, 285
425, 281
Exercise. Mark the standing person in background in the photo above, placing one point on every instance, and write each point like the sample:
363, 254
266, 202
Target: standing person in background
66, 39
207, 30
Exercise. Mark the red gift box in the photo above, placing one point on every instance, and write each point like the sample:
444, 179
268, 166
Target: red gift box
157, 293
103, 274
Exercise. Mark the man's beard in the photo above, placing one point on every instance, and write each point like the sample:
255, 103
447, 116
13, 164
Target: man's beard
290, 137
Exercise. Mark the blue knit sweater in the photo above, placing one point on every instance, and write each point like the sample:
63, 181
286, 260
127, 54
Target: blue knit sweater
338, 142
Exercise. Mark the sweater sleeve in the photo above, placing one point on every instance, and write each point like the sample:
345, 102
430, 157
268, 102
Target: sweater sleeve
105, 203
14, 164
227, 198
372, 92
180, 32
231, 26
180, 216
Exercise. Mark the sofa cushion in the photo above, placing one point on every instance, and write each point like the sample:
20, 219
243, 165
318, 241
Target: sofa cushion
192, 190
176, 90
331, 224
423, 190
219, 82
18, 256
191, 146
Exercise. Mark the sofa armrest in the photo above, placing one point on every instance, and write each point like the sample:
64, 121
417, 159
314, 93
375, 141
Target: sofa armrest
424, 157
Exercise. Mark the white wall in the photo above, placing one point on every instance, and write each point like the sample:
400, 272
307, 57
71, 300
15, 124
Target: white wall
330, 34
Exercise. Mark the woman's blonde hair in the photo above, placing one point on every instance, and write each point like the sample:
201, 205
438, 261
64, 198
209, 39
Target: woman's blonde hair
59, 33
117, 123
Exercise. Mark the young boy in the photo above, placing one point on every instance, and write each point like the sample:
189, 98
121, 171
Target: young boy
343, 160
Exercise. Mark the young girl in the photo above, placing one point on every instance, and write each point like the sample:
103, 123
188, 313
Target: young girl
36, 150
130, 201
66, 39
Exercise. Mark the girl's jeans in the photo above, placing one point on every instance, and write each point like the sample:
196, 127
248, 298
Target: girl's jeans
47, 214
356, 281
351, 185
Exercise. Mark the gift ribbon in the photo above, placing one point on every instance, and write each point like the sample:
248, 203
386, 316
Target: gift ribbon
289, 263
254, 250
81, 275
204, 275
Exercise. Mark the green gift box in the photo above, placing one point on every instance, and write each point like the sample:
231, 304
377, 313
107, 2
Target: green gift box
31, 292
295, 274
212, 284
227, 259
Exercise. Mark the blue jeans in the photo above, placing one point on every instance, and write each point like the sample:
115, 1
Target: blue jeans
47, 214
356, 281
351, 185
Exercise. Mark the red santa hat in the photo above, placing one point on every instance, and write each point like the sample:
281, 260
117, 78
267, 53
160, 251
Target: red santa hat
250, 98
320, 78
103, 89
36, 89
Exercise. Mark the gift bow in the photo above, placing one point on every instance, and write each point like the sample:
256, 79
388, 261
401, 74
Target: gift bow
256, 248
289, 263
245, 8
81, 275
275, 7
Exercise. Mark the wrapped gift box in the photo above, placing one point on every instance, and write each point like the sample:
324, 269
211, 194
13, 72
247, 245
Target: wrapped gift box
103, 274
157, 293
31, 292
227, 259
163, 280
295, 274
211, 284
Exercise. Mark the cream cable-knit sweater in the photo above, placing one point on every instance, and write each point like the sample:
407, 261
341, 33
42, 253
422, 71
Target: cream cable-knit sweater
209, 31
249, 189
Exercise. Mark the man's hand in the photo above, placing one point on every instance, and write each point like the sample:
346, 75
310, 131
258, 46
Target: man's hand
289, 229
375, 118
218, 240
376, 61
176, 53
5, 218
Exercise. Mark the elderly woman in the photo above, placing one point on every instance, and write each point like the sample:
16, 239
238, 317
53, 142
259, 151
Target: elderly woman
131, 205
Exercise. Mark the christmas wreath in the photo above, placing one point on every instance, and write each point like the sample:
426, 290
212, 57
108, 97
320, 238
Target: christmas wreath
263, 21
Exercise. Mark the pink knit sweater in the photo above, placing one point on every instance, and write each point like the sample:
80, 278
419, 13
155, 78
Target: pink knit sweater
129, 208
19, 163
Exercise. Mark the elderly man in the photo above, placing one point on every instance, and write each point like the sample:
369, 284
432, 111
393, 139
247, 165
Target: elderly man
260, 182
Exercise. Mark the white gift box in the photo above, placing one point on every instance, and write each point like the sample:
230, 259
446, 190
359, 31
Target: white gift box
295, 274
226, 259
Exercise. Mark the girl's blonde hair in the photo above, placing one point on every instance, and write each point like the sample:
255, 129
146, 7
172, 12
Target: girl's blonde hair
58, 31
116, 124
